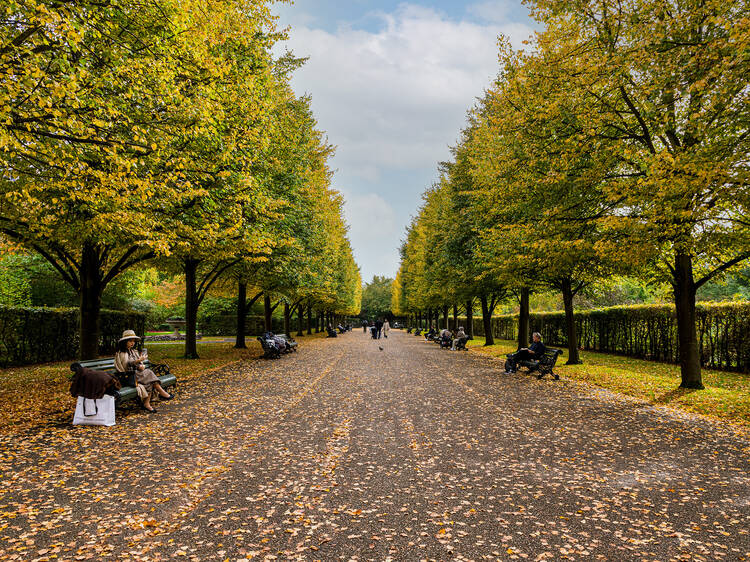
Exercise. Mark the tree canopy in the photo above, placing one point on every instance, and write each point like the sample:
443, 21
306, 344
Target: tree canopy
615, 143
163, 130
376, 298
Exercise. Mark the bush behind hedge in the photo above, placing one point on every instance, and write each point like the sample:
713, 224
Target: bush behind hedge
645, 331
41, 335
226, 325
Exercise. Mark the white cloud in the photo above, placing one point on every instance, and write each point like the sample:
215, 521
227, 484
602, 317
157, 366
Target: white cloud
393, 100
372, 225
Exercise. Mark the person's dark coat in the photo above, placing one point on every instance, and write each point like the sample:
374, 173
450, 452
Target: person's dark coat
92, 384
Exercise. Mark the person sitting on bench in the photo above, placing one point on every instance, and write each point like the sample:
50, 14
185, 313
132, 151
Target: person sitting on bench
127, 359
446, 337
431, 333
535, 351
460, 335
281, 344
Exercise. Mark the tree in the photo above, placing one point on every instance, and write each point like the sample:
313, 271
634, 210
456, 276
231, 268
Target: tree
100, 107
376, 298
664, 87
543, 186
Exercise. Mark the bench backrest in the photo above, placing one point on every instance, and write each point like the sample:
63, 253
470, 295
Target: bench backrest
551, 355
107, 364
266, 344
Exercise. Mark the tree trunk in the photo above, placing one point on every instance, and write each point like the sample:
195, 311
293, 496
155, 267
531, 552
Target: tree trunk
570, 324
445, 317
286, 320
470, 318
239, 342
191, 308
309, 319
90, 302
300, 320
455, 317
267, 312
489, 339
684, 297
523, 319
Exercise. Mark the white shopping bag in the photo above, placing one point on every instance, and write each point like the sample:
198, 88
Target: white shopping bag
95, 412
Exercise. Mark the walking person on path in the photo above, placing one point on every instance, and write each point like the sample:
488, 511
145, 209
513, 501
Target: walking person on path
386, 328
379, 327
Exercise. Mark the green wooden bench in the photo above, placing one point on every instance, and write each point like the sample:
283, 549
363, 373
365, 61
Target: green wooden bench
543, 365
127, 393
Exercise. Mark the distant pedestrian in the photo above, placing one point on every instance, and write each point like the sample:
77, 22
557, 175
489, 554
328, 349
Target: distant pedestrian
379, 327
386, 328
365, 325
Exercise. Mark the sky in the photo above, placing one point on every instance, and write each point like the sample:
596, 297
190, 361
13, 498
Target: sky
391, 83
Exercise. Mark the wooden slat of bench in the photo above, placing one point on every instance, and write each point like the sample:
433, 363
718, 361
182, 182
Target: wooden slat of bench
126, 393
99, 364
107, 365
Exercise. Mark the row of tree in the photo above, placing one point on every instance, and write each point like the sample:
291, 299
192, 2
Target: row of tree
166, 130
617, 143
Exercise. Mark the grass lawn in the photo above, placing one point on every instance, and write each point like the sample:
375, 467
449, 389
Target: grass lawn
726, 396
38, 394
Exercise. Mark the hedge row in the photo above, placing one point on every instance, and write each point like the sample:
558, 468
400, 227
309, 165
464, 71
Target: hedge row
40, 335
226, 325
645, 331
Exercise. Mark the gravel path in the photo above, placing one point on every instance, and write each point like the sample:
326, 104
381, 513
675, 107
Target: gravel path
346, 451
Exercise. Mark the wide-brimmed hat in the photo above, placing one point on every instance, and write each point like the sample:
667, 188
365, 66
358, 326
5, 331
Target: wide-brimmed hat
129, 335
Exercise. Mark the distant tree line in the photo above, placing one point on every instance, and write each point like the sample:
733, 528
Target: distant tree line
616, 144
167, 132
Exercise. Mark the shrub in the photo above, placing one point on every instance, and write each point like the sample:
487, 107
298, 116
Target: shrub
40, 335
226, 325
645, 331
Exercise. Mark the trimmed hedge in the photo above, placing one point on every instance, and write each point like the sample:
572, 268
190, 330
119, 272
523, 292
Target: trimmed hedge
226, 325
41, 335
645, 331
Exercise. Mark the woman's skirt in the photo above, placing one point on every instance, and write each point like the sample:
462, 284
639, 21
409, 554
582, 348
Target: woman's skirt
147, 378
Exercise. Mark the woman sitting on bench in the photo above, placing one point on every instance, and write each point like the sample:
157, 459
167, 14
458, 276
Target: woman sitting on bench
460, 340
535, 351
128, 358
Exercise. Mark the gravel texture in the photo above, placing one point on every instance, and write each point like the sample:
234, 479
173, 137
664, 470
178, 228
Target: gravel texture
346, 451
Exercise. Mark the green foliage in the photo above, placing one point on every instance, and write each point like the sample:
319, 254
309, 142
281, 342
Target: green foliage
614, 145
216, 306
163, 129
15, 288
226, 325
646, 331
733, 287
376, 298
39, 335
46, 287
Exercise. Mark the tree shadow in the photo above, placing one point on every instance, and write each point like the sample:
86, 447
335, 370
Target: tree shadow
673, 394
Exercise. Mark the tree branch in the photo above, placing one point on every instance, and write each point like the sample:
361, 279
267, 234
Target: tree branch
722, 268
